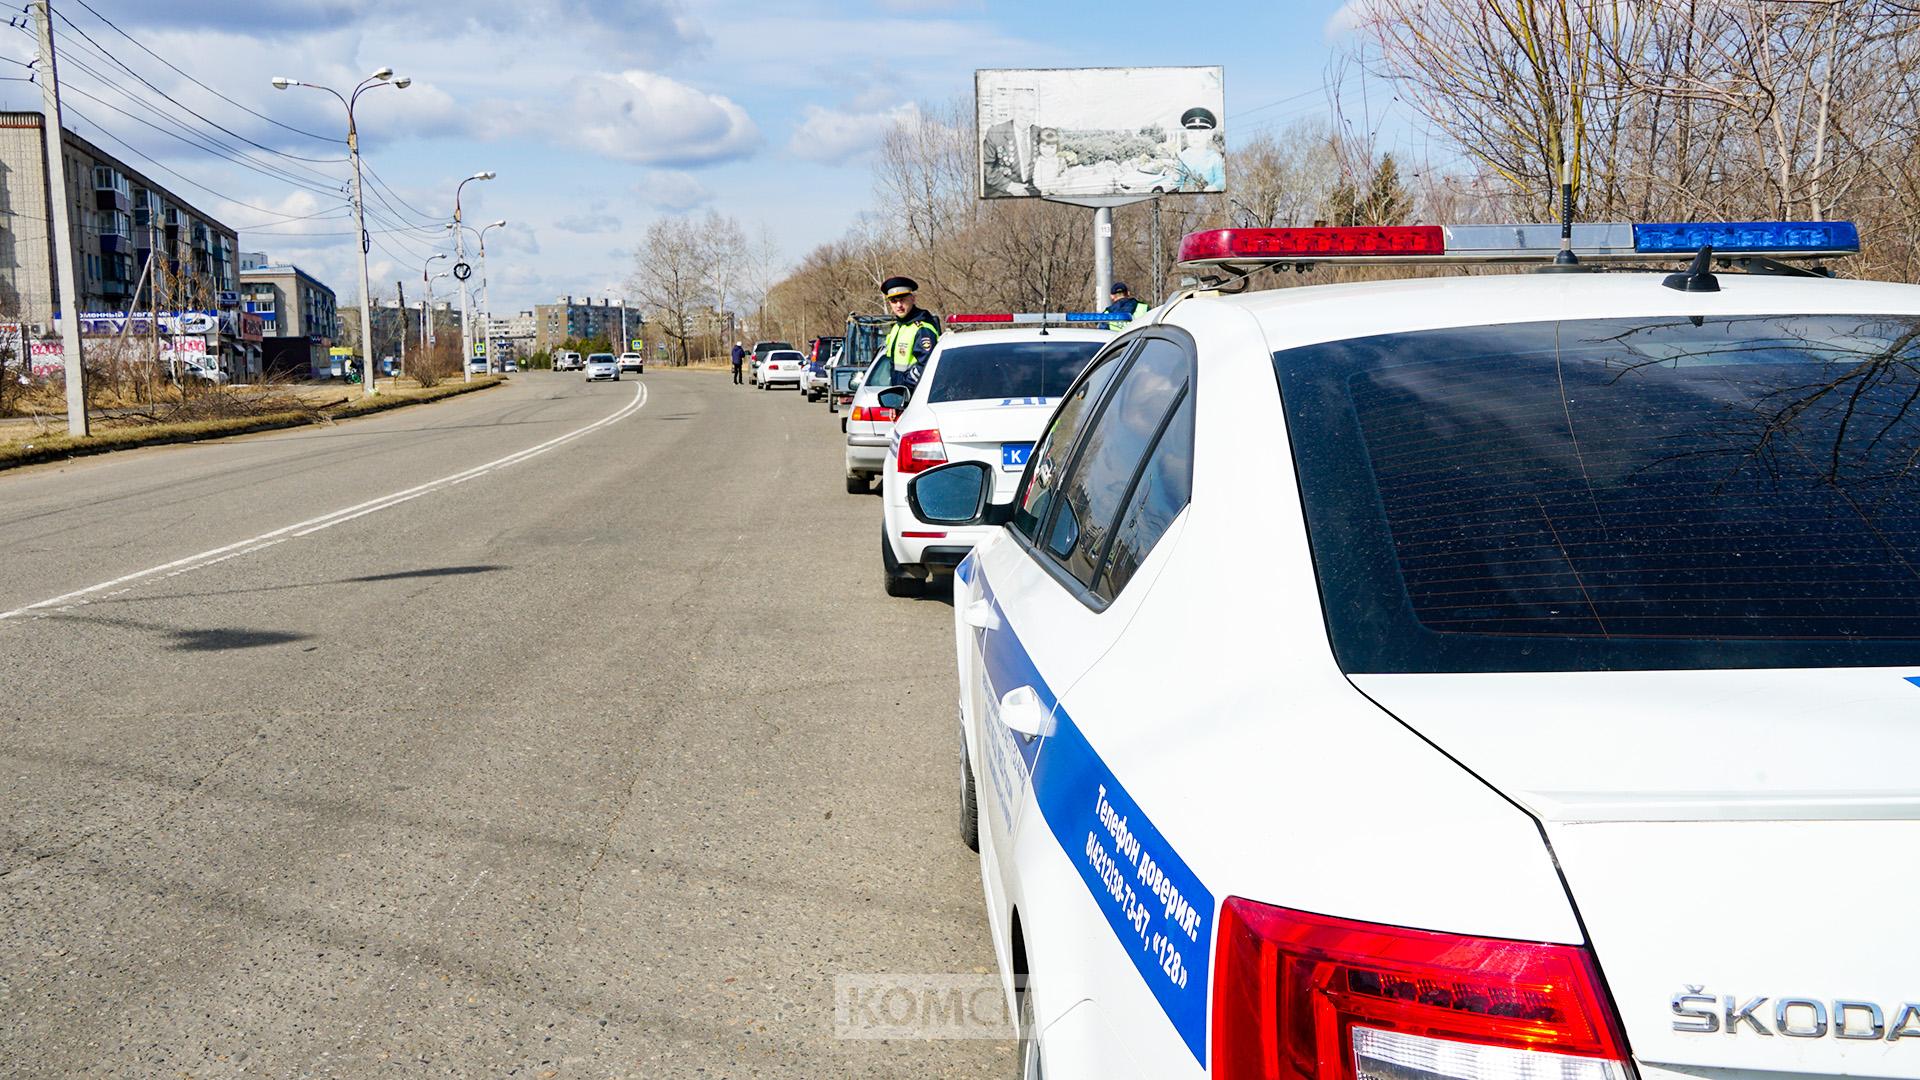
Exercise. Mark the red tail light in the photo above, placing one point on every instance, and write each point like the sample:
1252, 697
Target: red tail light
920, 450
1308, 997
874, 414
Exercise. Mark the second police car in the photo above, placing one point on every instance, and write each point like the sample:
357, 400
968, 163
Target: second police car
985, 396
1476, 678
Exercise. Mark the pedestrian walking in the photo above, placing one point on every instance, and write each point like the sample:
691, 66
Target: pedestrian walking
739, 355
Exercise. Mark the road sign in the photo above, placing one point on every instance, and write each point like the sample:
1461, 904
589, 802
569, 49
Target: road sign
340, 350
638, 345
479, 348
662, 347
462, 271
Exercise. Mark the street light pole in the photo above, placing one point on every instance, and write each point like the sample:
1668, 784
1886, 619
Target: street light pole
460, 250
382, 77
433, 334
426, 306
486, 296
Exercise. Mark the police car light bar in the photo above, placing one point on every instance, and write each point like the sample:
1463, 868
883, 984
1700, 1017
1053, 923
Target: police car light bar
1609, 242
1749, 237
1033, 317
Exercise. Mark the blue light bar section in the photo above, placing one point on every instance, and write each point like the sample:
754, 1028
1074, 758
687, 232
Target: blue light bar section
1092, 316
1738, 237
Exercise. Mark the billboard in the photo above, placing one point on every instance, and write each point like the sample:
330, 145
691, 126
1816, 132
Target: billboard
1084, 132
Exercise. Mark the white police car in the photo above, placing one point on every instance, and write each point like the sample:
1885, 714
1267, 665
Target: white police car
1466, 678
985, 396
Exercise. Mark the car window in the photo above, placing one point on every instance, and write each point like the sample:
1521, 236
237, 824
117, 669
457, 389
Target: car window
1159, 494
1009, 369
1116, 445
1048, 464
880, 375
1615, 494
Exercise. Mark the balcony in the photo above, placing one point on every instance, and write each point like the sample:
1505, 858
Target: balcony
110, 244
110, 287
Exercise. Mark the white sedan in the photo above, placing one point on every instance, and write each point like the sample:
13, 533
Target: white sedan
634, 362
602, 366
782, 367
1459, 679
985, 396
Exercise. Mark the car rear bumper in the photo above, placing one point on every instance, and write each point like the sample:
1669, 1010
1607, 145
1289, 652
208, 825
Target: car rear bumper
864, 456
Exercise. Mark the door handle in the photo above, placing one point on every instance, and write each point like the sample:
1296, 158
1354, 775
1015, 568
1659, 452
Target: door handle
980, 615
1021, 710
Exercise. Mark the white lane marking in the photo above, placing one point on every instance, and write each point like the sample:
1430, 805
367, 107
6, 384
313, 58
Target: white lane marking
65, 601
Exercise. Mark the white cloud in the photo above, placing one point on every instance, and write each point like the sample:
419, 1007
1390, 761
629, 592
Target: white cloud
1350, 17
650, 119
835, 135
671, 189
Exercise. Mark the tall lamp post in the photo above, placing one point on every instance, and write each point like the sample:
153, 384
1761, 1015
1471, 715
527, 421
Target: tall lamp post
433, 336
382, 77
426, 306
486, 297
460, 251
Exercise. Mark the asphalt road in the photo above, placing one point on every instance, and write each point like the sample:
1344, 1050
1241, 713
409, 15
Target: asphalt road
603, 761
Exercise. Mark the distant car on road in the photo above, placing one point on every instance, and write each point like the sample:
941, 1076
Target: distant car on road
567, 360
813, 380
634, 362
603, 365
760, 351
986, 396
477, 366
509, 366
782, 367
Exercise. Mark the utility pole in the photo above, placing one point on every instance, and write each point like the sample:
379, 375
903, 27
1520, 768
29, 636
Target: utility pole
153, 279
66, 275
400, 291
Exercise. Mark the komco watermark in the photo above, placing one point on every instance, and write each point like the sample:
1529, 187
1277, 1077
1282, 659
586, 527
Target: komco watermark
920, 1007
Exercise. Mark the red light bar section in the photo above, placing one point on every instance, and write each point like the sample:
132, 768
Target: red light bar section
1334, 242
977, 318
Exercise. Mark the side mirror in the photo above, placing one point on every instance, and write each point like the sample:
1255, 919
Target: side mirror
894, 397
956, 494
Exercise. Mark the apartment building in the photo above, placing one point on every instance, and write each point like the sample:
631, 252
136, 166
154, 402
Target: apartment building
567, 318
119, 218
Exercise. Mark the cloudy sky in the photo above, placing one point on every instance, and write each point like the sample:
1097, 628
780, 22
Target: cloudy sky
597, 116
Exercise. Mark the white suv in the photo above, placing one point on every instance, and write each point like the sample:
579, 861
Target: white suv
985, 396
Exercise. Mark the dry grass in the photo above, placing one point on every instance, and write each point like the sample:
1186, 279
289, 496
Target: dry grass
211, 415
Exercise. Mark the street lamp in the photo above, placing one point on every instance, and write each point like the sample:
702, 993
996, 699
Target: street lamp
460, 250
486, 297
426, 310
432, 336
382, 77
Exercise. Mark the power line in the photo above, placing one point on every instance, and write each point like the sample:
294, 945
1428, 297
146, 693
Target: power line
243, 162
149, 85
137, 152
381, 181
306, 176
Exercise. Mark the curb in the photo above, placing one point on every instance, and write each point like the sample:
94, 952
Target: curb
61, 447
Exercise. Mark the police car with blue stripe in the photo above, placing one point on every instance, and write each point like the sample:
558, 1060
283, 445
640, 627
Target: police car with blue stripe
1473, 677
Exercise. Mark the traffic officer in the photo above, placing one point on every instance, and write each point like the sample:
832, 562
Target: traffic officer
912, 336
1124, 306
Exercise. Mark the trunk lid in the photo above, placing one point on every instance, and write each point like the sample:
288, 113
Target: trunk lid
1726, 836
978, 430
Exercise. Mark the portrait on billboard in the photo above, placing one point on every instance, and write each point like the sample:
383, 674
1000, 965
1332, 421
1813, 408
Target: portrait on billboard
1081, 132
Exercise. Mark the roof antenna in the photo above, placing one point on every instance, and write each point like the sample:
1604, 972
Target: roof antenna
1698, 277
1565, 261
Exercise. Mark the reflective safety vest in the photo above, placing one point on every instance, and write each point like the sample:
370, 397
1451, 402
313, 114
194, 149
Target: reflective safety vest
898, 347
1138, 307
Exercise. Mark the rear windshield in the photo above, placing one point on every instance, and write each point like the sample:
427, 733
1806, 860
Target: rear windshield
1009, 369
783, 357
1615, 494
600, 358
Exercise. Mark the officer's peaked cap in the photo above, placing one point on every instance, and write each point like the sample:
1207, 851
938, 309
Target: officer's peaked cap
899, 286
